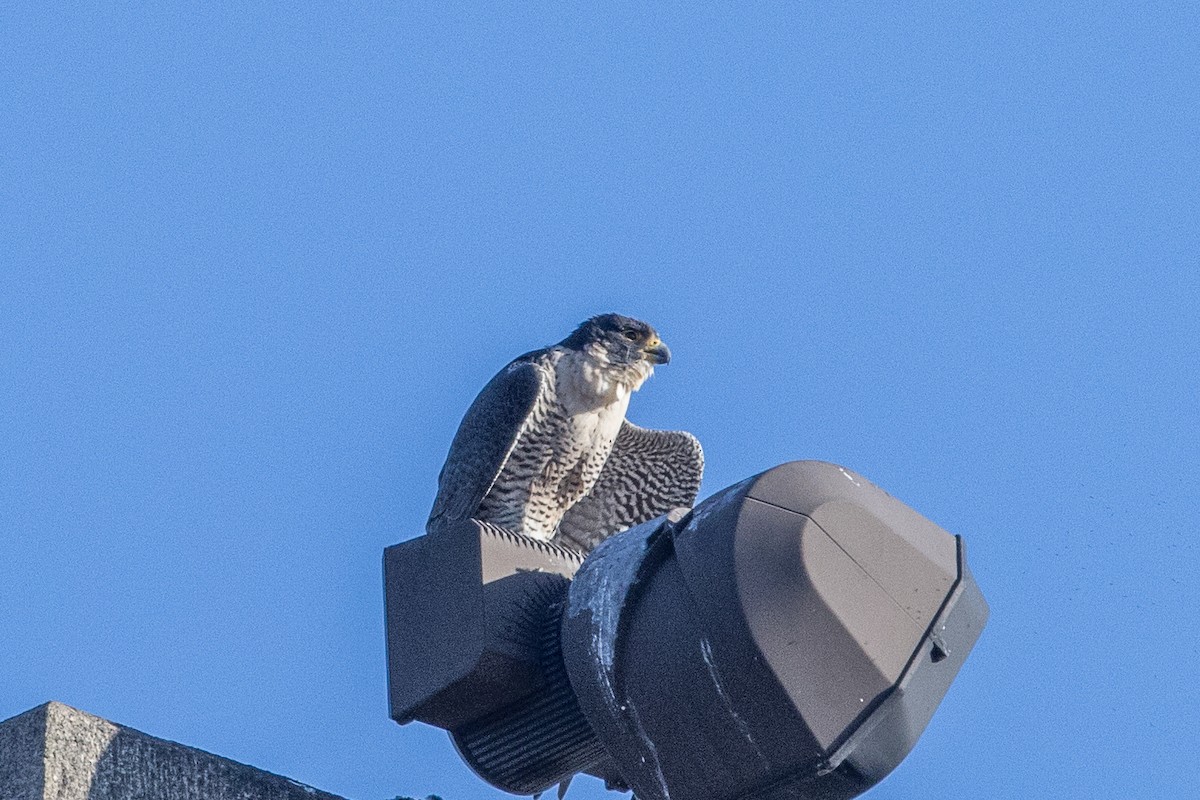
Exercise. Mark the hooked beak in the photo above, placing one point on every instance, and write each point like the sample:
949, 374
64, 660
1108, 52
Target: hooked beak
657, 352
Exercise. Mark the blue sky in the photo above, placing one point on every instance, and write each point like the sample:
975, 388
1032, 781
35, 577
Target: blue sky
256, 261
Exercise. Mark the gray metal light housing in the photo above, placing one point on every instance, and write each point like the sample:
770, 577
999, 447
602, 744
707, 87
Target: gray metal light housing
789, 638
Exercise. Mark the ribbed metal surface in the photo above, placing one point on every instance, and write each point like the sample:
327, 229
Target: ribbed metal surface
539, 741
549, 548
519, 621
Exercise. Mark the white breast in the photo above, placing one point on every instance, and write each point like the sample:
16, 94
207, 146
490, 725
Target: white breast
593, 402
585, 383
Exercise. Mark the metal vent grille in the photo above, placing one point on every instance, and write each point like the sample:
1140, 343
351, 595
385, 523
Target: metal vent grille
540, 740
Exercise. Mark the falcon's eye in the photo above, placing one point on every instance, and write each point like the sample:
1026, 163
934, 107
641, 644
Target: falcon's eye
630, 334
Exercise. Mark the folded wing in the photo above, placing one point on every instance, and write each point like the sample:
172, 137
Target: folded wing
647, 474
485, 439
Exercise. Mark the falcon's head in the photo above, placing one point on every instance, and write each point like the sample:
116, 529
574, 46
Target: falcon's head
625, 347
624, 341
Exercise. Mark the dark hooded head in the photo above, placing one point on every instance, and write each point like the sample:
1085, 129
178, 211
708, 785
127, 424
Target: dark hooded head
624, 341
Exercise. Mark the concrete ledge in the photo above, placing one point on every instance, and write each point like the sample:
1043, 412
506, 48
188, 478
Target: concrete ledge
55, 752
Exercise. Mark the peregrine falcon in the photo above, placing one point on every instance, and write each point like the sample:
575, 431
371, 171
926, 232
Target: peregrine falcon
545, 449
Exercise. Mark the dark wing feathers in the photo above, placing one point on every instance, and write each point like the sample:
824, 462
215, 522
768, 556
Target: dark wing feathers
648, 474
485, 438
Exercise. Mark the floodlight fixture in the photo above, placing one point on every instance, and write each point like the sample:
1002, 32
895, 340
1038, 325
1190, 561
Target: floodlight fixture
790, 637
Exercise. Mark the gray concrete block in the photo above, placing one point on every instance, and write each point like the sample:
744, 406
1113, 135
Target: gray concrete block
55, 752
